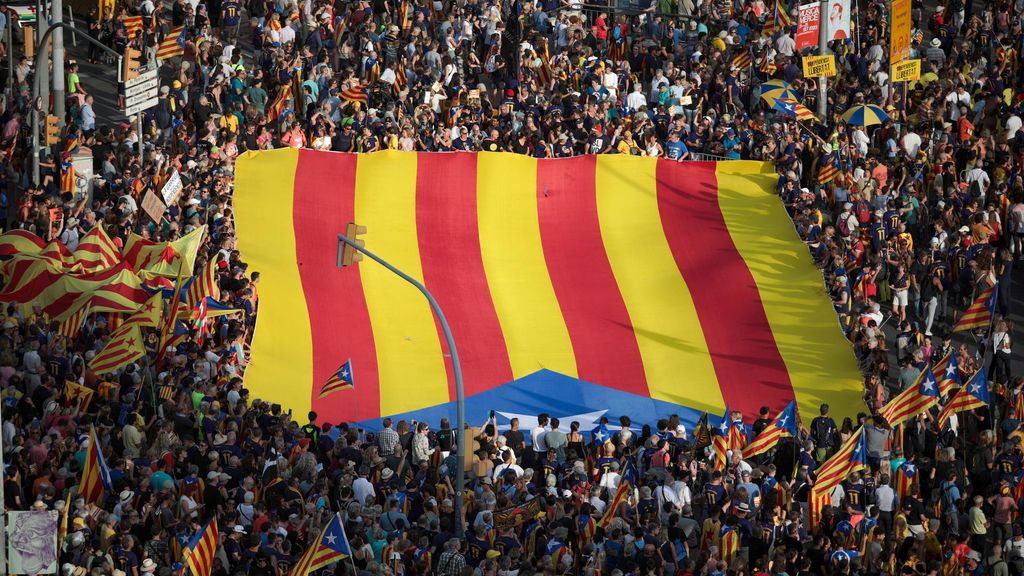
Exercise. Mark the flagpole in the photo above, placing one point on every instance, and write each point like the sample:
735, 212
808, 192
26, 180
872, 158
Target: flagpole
351, 559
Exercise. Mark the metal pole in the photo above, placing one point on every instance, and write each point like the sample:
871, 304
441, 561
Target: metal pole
460, 398
3, 511
42, 70
139, 125
823, 50
10, 59
59, 84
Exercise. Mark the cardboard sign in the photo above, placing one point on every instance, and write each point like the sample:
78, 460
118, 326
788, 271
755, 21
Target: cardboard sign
153, 206
906, 71
899, 44
819, 66
807, 25
172, 189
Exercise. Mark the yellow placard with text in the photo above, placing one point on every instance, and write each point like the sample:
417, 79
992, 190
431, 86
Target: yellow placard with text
900, 34
906, 71
819, 66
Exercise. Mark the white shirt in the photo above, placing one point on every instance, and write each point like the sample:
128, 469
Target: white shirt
635, 100
539, 445
785, 45
912, 143
362, 488
1013, 124
610, 481
980, 176
499, 470
861, 141
956, 100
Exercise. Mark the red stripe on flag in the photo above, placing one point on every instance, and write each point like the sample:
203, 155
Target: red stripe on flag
594, 311
724, 293
453, 269
338, 318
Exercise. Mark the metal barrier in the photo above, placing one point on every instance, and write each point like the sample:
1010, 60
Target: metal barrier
702, 157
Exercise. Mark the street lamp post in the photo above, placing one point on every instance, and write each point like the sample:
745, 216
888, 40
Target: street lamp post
460, 399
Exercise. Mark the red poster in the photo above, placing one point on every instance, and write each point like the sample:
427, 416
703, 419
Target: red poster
807, 25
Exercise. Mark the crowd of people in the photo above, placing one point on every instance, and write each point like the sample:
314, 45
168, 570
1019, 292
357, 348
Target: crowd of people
909, 221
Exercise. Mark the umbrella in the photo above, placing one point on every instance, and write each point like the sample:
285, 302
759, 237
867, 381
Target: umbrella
865, 115
772, 90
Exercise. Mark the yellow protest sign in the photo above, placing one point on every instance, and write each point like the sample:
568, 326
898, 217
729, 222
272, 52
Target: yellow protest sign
819, 66
906, 70
900, 35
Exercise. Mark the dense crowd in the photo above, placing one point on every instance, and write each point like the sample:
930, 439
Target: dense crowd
920, 215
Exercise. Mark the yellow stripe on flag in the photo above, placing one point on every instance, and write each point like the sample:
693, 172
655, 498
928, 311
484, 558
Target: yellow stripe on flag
412, 368
660, 306
267, 238
806, 331
524, 298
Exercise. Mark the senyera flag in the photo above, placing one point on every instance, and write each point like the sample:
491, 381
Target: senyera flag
570, 285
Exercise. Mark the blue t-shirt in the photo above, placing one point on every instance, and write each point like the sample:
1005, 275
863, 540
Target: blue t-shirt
676, 150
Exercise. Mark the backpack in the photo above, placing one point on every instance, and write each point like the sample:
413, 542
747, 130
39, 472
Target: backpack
844, 225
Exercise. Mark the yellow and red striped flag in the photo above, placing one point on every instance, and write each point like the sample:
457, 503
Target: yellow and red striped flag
742, 60
622, 493
132, 24
204, 285
164, 258
172, 45
329, 547
851, 457
96, 251
201, 549
973, 395
917, 398
729, 539
535, 264
277, 107
74, 390
979, 314
784, 425
947, 371
95, 474
70, 326
340, 380
125, 346
905, 475
356, 94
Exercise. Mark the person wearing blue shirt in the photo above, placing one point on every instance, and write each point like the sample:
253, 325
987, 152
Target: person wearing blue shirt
676, 149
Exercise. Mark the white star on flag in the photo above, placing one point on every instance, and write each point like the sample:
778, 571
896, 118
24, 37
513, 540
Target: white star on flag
975, 388
950, 370
344, 374
330, 538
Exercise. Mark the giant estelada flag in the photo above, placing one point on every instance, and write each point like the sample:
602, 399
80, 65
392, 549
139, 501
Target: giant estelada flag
578, 287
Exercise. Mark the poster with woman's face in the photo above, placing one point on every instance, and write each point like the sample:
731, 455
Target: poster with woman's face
32, 542
838, 20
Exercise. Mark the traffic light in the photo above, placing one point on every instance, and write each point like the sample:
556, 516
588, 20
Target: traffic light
52, 129
348, 253
130, 63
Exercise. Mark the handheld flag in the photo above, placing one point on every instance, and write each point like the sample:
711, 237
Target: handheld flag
200, 550
742, 60
74, 390
850, 457
125, 347
921, 396
794, 109
979, 314
947, 370
330, 546
600, 434
622, 493
720, 443
172, 45
828, 168
702, 433
95, 474
973, 395
342, 379
783, 425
